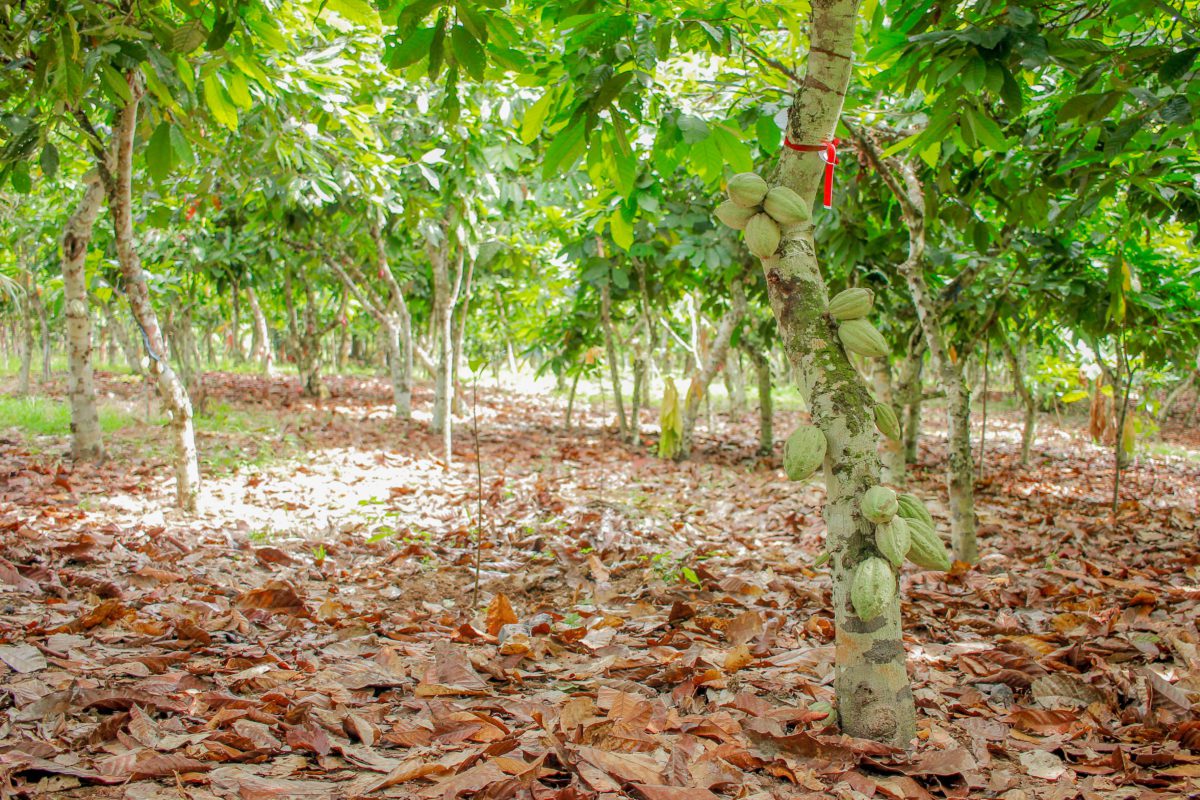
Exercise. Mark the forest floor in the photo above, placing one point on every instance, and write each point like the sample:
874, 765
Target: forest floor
315, 633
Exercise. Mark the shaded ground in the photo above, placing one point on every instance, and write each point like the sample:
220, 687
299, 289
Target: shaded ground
315, 633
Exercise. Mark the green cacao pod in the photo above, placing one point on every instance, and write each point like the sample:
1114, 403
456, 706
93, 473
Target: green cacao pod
860, 336
886, 421
926, 548
734, 215
747, 189
873, 588
785, 207
851, 304
893, 539
803, 452
879, 504
911, 507
762, 237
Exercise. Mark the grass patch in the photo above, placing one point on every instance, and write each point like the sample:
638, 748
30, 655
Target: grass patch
41, 416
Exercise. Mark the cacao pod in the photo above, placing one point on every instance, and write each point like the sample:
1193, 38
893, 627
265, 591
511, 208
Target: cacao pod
785, 207
879, 504
873, 588
747, 189
734, 215
911, 507
893, 539
886, 421
804, 452
851, 304
860, 336
762, 237
926, 548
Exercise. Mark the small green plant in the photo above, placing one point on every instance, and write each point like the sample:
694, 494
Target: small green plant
260, 537
671, 568
318, 553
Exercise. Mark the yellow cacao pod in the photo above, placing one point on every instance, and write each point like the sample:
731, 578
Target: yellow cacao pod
925, 548
892, 538
851, 304
762, 236
734, 215
886, 421
873, 587
785, 207
860, 336
879, 504
911, 507
804, 452
747, 189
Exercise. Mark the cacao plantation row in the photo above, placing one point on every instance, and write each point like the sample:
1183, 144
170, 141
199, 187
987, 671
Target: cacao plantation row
942, 249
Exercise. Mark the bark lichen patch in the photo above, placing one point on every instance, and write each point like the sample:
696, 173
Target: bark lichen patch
884, 650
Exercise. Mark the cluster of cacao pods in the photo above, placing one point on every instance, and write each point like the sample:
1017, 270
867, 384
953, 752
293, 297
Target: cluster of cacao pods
849, 309
761, 211
904, 528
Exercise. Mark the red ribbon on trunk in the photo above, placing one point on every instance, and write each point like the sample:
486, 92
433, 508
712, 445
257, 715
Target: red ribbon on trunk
828, 151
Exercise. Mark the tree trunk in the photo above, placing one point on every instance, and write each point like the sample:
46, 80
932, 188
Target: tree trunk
118, 189
908, 396
712, 362
262, 335
445, 295
891, 450
610, 349
460, 331
25, 339
766, 408
236, 323
874, 696
87, 442
44, 335
960, 474
1023, 391
343, 344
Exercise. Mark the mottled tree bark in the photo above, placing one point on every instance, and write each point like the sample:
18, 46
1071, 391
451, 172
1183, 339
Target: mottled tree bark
119, 191
891, 450
712, 362
261, 349
445, 296
25, 338
1016, 368
87, 441
766, 407
874, 696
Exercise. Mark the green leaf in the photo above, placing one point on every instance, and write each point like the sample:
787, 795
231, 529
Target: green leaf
564, 150
357, 11
239, 90
1075, 396
159, 155
182, 147
219, 104
735, 152
20, 178
49, 160
412, 49
468, 52
770, 137
622, 231
535, 118
116, 83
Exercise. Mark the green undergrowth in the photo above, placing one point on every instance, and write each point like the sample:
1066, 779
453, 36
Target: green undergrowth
42, 416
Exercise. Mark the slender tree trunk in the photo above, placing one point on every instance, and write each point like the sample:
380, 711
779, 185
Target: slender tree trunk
508, 347
343, 343
874, 696
87, 442
445, 295
1023, 391
891, 450
960, 474
712, 362
908, 396
571, 399
44, 334
766, 408
262, 335
25, 340
118, 189
236, 323
987, 357
610, 349
460, 332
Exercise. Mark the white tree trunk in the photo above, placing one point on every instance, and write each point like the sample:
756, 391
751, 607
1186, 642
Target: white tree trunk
119, 190
874, 696
712, 362
87, 442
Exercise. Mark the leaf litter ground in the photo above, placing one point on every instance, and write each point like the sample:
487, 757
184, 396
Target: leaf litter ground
643, 629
